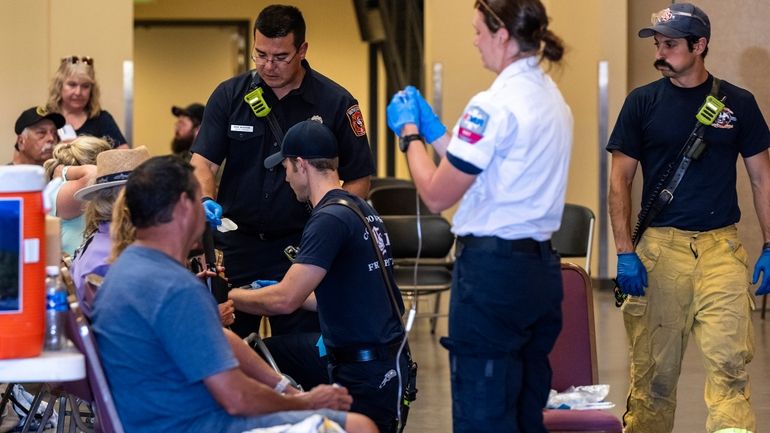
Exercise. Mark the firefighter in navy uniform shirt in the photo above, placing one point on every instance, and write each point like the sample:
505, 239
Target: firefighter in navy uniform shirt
337, 272
257, 199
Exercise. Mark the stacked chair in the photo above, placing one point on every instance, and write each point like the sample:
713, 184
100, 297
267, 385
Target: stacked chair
429, 275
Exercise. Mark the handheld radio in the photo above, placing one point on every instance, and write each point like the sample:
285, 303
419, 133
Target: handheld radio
257, 102
709, 111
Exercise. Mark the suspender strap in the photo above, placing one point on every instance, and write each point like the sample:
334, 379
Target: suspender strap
380, 259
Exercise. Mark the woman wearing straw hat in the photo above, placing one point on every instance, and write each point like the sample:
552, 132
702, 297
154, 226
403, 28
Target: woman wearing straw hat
108, 227
112, 169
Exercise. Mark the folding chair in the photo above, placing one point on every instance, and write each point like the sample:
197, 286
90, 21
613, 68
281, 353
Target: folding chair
376, 182
97, 388
576, 232
573, 358
433, 276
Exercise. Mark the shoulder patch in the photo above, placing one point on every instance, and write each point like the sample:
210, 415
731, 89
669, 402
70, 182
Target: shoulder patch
356, 120
472, 124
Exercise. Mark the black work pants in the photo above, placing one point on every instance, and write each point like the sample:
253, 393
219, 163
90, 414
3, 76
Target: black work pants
372, 384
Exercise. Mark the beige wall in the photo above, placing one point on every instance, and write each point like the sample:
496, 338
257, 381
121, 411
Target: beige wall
36, 34
166, 73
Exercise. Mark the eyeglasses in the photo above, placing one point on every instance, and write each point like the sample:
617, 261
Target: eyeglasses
667, 15
489, 9
75, 59
262, 59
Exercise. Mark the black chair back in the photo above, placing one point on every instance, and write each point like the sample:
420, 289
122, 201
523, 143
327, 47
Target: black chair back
397, 200
575, 235
437, 238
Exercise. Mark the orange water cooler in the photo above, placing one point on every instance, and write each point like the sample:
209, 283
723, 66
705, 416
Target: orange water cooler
22, 261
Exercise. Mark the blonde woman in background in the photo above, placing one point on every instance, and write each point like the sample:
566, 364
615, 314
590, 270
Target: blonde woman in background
74, 92
72, 168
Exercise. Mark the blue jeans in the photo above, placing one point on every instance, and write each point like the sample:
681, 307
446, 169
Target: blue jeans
504, 317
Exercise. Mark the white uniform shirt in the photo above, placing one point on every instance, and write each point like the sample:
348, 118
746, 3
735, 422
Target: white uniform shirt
517, 137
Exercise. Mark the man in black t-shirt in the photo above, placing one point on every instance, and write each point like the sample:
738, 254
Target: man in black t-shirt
256, 198
688, 272
337, 272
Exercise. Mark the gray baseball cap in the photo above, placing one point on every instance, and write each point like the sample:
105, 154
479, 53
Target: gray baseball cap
678, 21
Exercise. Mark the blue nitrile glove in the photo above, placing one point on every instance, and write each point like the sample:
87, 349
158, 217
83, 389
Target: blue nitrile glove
402, 110
213, 211
763, 266
258, 284
632, 276
430, 125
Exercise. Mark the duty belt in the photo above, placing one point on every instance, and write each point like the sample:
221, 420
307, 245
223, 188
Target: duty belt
362, 354
526, 245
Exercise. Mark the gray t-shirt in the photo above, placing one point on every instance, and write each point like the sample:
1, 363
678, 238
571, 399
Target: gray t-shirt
159, 335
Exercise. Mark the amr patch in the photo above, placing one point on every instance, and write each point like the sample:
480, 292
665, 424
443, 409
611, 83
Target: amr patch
356, 120
472, 124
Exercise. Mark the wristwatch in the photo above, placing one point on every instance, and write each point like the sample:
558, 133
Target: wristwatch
404, 141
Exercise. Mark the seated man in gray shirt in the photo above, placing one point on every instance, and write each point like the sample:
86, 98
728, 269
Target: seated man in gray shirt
170, 364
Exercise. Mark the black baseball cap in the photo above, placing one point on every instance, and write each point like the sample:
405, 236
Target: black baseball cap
194, 111
33, 115
308, 139
678, 21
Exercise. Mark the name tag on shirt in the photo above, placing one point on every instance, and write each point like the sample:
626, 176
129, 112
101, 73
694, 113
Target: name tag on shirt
241, 128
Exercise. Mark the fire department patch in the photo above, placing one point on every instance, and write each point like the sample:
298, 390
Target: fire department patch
356, 120
725, 120
472, 125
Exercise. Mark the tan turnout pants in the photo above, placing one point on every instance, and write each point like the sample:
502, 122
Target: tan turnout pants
698, 281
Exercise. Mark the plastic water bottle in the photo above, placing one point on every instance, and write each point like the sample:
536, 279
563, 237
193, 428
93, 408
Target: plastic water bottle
55, 309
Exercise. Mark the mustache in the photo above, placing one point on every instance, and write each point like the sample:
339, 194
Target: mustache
660, 62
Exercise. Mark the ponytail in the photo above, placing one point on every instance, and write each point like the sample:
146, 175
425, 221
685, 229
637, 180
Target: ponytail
122, 231
553, 47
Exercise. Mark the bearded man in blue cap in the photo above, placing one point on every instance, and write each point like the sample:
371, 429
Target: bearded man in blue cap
684, 269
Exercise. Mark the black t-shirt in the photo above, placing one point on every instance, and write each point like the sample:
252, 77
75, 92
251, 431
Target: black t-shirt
103, 125
654, 124
257, 199
353, 303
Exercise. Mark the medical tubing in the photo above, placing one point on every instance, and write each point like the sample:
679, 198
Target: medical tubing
412, 309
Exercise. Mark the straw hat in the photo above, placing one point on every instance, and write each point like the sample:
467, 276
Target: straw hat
112, 169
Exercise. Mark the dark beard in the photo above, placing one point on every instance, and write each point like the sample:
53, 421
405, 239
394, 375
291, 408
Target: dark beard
181, 145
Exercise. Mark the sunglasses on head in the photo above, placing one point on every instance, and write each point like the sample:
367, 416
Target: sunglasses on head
488, 8
75, 59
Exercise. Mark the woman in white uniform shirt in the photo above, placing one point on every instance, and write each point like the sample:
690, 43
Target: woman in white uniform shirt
506, 162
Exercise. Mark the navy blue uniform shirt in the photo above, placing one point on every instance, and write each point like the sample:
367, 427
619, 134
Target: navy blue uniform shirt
257, 199
654, 124
353, 303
